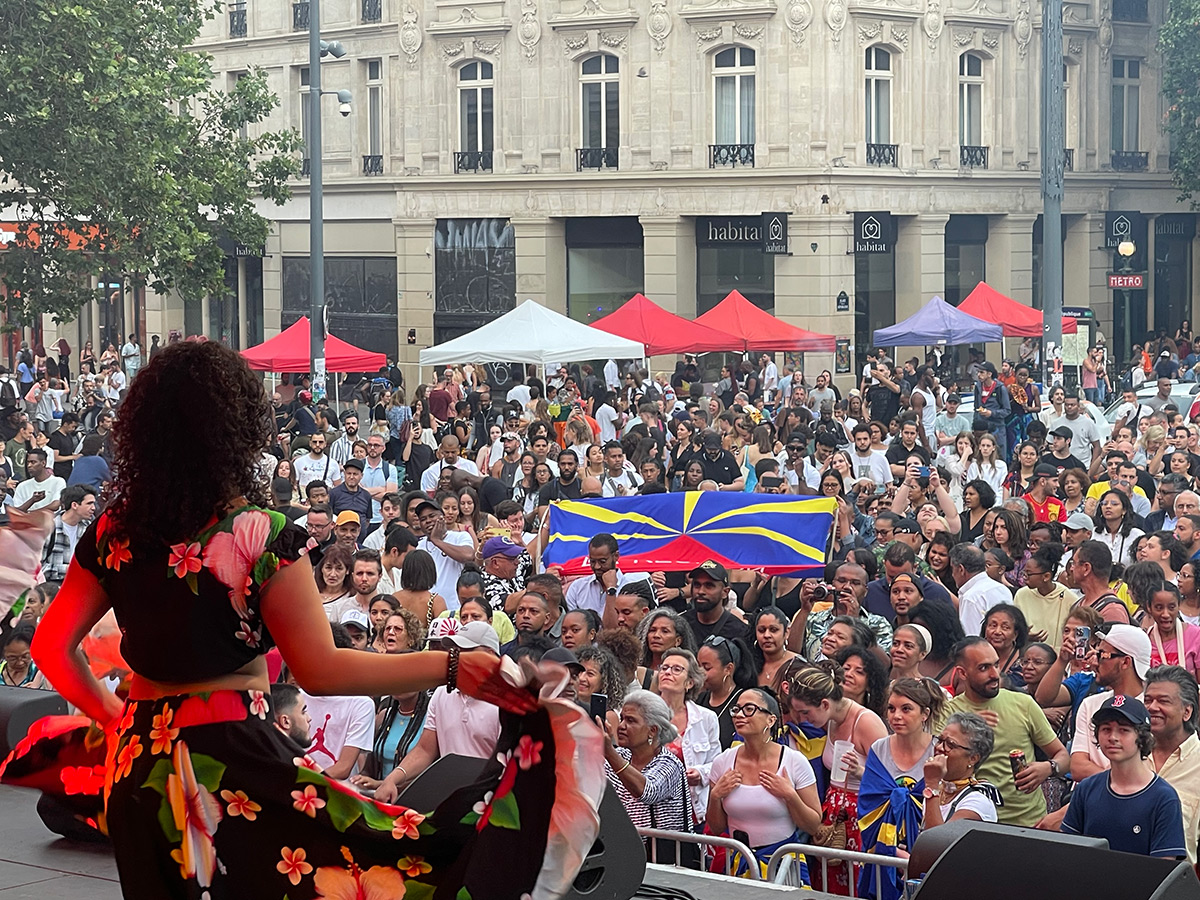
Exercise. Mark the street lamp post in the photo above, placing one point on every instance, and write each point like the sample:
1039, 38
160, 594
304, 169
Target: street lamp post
317, 49
1053, 163
1126, 250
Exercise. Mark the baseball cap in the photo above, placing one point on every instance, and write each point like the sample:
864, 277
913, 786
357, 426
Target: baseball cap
907, 526
305, 395
1134, 643
953, 398
510, 436
1166, 354
473, 635
1045, 470
712, 569
356, 617
564, 657
795, 441
347, 515
1078, 521
989, 367
501, 546
424, 503
1122, 706
1063, 431
353, 463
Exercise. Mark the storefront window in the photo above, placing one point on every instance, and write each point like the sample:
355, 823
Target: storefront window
874, 299
475, 273
966, 240
744, 269
360, 299
604, 265
1173, 236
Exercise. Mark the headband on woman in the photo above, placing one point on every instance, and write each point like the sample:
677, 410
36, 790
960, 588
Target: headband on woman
924, 633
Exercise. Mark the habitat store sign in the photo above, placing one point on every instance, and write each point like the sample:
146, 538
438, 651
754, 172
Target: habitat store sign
767, 231
873, 232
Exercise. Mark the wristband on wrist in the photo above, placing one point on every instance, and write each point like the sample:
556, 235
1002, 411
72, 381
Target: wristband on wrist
452, 669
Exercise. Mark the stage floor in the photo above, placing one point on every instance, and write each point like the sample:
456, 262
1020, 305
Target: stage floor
37, 864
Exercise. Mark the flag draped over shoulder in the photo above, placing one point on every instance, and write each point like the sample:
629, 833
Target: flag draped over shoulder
890, 812
676, 532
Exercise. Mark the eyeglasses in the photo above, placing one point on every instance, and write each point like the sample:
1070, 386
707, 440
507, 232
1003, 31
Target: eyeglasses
673, 670
943, 741
1101, 655
17, 660
748, 710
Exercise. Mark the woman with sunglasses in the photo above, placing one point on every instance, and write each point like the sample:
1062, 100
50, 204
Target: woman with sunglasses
728, 668
762, 789
952, 790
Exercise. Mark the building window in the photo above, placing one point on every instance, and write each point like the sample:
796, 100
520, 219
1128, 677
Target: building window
475, 107
965, 255
970, 100
879, 96
474, 274
599, 78
733, 74
1126, 86
373, 158
304, 114
604, 265
361, 294
235, 79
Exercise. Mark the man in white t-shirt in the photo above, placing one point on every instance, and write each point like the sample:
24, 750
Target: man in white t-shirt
451, 457
1122, 661
315, 465
608, 419
343, 728
450, 550
770, 376
868, 463
617, 480
42, 488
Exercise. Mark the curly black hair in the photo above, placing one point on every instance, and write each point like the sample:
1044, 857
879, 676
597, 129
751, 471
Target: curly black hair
188, 440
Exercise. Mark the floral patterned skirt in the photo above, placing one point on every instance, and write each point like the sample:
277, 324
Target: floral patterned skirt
205, 798
840, 805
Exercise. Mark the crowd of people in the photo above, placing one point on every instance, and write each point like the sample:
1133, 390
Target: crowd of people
1008, 626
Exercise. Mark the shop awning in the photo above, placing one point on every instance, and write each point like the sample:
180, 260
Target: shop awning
749, 328
937, 322
663, 333
288, 352
1017, 319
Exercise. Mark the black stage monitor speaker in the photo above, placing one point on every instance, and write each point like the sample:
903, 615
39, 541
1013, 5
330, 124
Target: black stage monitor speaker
982, 861
614, 866
20, 708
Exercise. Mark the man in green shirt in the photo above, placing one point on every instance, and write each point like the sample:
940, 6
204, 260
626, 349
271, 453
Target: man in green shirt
1018, 723
20, 445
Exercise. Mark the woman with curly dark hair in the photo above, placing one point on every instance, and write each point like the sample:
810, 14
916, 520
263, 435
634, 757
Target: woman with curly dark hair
204, 795
865, 680
941, 620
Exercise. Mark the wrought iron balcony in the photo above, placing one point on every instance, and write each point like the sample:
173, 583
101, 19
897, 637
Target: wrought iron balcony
300, 16
882, 155
730, 155
305, 167
473, 161
1130, 160
595, 158
372, 10
237, 19
373, 165
973, 157
1069, 160
1130, 11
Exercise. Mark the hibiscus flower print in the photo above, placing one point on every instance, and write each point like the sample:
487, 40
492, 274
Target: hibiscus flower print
238, 804
352, 883
185, 559
125, 757
258, 704
231, 555
196, 813
82, 779
118, 553
406, 825
252, 636
293, 865
307, 801
161, 732
413, 866
305, 762
529, 752
483, 809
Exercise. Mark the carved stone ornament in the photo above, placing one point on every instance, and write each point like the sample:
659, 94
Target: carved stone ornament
869, 32
1023, 28
748, 32
1106, 31
1075, 47
708, 35
835, 18
991, 39
487, 48
454, 50
572, 44
410, 35
798, 16
658, 25
932, 22
529, 31
613, 41
963, 37
899, 35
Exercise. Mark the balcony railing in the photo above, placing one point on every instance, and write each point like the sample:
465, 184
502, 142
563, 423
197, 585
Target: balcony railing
1130, 11
595, 158
1069, 160
1130, 160
373, 165
305, 168
237, 19
372, 10
730, 155
300, 16
882, 155
473, 161
973, 157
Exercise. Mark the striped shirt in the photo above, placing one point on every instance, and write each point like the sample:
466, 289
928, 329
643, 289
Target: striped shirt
664, 801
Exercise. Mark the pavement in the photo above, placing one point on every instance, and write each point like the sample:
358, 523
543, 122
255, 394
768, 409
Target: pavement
36, 864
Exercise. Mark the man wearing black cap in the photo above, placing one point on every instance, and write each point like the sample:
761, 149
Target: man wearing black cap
350, 495
707, 615
450, 549
992, 403
720, 466
1085, 438
1130, 806
1060, 455
1042, 487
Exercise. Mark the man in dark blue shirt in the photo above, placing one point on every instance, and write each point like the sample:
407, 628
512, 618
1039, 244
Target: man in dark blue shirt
349, 495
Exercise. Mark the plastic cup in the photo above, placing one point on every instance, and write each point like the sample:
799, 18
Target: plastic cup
837, 774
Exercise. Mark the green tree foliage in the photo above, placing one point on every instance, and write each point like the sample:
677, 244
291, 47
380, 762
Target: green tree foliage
118, 155
1179, 43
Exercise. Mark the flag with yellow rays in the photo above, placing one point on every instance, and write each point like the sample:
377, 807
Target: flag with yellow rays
676, 532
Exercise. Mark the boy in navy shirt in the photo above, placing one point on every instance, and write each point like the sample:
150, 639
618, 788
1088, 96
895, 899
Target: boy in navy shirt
1129, 805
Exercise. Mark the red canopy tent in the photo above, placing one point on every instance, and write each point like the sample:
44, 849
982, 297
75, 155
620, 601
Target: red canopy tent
664, 333
1017, 319
749, 328
288, 352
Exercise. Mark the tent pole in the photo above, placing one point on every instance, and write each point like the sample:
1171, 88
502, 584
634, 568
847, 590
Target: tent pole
336, 401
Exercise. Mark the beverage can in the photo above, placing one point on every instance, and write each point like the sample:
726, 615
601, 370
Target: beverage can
1016, 759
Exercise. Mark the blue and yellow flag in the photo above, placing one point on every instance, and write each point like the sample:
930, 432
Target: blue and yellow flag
677, 532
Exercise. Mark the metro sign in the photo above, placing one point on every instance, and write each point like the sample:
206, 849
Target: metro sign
1126, 281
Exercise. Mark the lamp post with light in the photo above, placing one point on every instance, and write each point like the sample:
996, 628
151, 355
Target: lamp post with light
1126, 249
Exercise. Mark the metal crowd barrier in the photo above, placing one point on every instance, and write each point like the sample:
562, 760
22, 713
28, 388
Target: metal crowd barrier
781, 867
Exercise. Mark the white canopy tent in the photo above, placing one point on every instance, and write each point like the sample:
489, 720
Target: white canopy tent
531, 333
